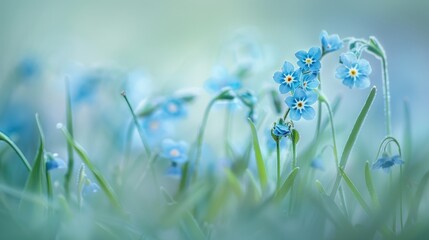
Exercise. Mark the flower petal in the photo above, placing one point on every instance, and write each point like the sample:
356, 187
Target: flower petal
311, 97
294, 114
315, 52
342, 72
288, 68
299, 93
284, 88
301, 55
349, 82
364, 67
278, 77
362, 82
348, 59
308, 113
290, 101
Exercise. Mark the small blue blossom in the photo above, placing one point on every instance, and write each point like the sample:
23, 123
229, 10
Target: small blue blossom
299, 104
386, 162
317, 163
281, 130
353, 71
174, 108
155, 125
330, 43
309, 81
54, 162
175, 151
90, 188
220, 79
309, 61
288, 78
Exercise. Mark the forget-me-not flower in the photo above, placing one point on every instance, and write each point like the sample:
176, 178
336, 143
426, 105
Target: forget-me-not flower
281, 130
220, 79
309, 61
386, 162
288, 77
173, 108
54, 162
353, 71
175, 151
330, 43
309, 81
300, 104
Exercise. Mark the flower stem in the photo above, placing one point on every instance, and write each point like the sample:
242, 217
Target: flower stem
278, 162
286, 114
139, 129
70, 152
319, 111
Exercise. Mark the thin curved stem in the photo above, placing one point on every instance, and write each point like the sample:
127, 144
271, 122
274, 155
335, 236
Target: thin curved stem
7, 140
278, 162
386, 94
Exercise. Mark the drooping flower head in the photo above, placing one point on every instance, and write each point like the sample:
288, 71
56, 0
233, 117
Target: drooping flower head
300, 104
220, 79
54, 162
174, 108
317, 163
386, 162
309, 61
174, 151
288, 78
353, 71
330, 43
281, 129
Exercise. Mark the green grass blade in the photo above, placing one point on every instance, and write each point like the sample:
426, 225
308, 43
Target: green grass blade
417, 199
353, 136
192, 228
287, 185
370, 185
70, 153
18, 151
258, 155
355, 191
253, 186
107, 189
234, 183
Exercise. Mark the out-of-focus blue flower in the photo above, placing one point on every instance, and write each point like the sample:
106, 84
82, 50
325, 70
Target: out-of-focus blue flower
330, 43
54, 162
309, 81
28, 67
90, 188
155, 126
386, 162
288, 78
281, 130
317, 163
175, 151
173, 108
137, 85
220, 79
299, 104
309, 61
353, 71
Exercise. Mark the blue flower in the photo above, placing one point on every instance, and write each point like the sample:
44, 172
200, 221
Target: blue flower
173, 108
155, 126
386, 162
317, 163
353, 71
299, 104
220, 79
309, 81
90, 188
281, 130
288, 78
330, 43
175, 151
309, 61
54, 162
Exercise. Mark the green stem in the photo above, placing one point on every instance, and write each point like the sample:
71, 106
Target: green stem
331, 118
7, 140
136, 122
70, 153
386, 94
319, 111
286, 113
227, 128
278, 162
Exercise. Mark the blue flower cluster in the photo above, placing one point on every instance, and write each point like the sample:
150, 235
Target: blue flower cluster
386, 162
300, 82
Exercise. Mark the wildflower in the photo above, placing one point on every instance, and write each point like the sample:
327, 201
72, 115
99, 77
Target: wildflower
309, 61
221, 78
353, 71
281, 129
386, 162
154, 125
330, 43
175, 151
288, 78
317, 163
90, 187
299, 104
54, 162
174, 108
309, 81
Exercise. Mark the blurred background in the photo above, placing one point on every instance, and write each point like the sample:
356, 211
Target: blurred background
153, 48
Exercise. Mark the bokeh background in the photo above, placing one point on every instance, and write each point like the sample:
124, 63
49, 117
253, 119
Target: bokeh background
169, 45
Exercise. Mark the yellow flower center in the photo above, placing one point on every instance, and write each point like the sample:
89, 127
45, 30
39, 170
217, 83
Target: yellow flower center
172, 107
353, 72
174, 153
308, 61
288, 79
300, 105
